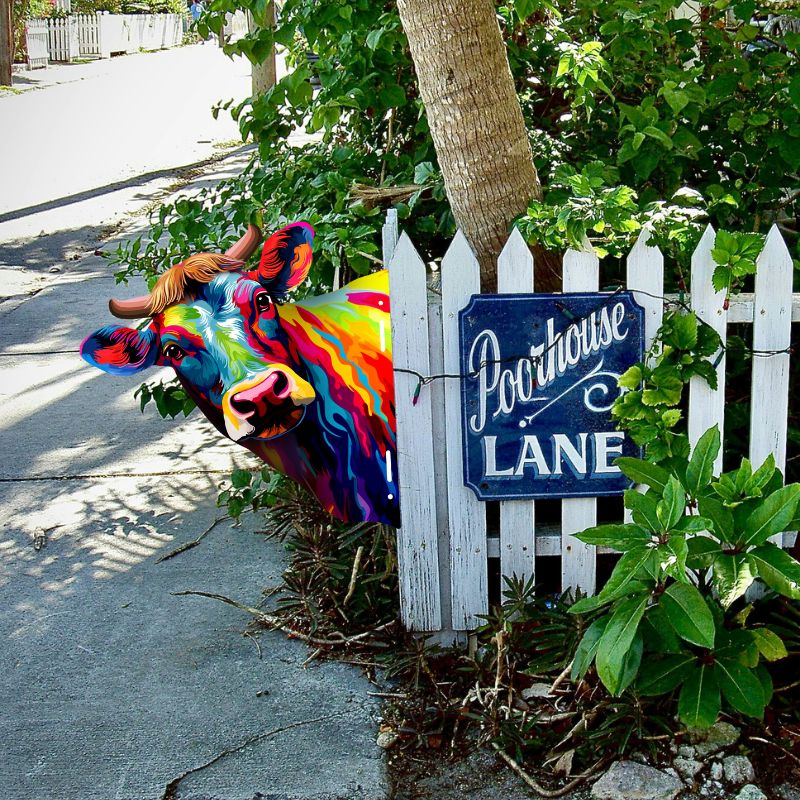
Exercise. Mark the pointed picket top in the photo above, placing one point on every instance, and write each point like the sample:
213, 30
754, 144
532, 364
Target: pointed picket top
645, 278
701, 258
405, 252
389, 236
459, 252
775, 249
460, 274
515, 265
581, 269
642, 245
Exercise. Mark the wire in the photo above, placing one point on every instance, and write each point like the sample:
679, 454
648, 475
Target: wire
424, 380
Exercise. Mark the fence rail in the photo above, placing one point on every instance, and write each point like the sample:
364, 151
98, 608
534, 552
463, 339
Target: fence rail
444, 545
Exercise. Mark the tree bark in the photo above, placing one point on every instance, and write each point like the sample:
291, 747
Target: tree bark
475, 120
264, 74
6, 43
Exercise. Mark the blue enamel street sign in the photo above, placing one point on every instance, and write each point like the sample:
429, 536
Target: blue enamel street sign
539, 379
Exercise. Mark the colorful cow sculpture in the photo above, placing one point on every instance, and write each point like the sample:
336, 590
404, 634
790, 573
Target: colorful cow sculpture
307, 386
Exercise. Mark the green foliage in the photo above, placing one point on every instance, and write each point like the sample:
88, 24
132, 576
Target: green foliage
679, 112
660, 631
170, 398
650, 407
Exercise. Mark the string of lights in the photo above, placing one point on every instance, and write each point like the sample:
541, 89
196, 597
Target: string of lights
424, 380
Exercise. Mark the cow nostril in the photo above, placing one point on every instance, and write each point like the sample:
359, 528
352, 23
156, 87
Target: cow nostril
280, 385
244, 408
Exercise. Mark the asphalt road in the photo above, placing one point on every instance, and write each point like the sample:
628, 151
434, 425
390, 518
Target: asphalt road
116, 118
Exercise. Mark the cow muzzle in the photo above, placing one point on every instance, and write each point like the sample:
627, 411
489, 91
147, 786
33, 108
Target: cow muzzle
270, 404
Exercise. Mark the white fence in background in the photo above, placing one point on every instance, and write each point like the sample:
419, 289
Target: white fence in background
63, 39
88, 26
99, 35
443, 544
36, 37
235, 25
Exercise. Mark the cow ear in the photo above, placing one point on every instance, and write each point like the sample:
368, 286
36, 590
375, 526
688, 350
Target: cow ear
286, 258
120, 351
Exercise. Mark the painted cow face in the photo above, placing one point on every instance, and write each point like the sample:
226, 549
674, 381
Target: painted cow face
224, 337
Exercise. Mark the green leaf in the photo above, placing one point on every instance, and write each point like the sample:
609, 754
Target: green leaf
694, 525
631, 664
702, 552
772, 516
241, 478
658, 135
658, 633
587, 648
764, 678
671, 508
778, 570
740, 687
669, 393
680, 331
720, 516
769, 644
373, 37
627, 570
701, 465
616, 640
643, 472
631, 378
737, 644
659, 676
732, 577
587, 604
699, 702
644, 509
761, 477
620, 537
688, 614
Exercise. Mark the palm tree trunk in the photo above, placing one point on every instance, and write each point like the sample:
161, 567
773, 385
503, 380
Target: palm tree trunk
475, 119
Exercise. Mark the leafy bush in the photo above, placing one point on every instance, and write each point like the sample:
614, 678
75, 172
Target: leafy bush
660, 630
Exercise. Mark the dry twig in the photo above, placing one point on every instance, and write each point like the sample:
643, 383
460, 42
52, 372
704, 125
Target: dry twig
275, 623
189, 545
540, 789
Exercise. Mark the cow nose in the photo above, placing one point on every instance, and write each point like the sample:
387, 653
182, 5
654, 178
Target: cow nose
256, 400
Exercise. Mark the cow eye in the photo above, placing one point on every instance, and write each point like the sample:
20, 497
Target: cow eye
172, 351
263, 302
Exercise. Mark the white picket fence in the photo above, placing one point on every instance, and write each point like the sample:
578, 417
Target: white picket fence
99, 35
37, 43
63, 39
443, 546
88, 26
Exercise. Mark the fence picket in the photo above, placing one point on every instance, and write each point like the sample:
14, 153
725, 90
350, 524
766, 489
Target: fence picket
645, 273
417, 545
578, 560
772, 330
449, 533
517, 517
707, 405
468, 564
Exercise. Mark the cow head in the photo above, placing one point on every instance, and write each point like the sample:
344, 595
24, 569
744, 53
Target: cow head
218, 326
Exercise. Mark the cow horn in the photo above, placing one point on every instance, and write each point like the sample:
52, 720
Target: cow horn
135, 308
247, 245
139, 307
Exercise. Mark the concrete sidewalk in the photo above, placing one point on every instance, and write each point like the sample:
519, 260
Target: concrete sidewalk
114, 687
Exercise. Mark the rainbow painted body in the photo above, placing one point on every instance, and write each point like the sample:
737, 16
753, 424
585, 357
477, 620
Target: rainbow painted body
306, 386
